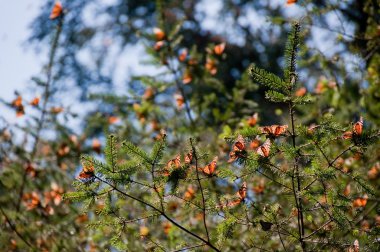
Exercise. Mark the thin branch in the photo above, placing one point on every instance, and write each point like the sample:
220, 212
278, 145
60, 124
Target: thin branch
317, 230
46, 96
189, 248
13, 227
200, 188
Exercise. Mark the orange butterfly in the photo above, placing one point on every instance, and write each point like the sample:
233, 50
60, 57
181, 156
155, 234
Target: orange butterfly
175, 161
35, 101
187, 77
56, 11
211, 66
301, 92
219, 49
253, 119
148, 93
274, 130
183, 55
189, 158
360, 201
238, 150
189, 194
159, 34
290, 2
357, 130
180, 101
242, 194
209, 169
373, 173
17, 103
169, 165
88, 171
259, 189
158, 45
263, 150
96, 146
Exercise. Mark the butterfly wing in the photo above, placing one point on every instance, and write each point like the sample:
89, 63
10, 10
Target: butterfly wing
56, 11
358, 127
264, 149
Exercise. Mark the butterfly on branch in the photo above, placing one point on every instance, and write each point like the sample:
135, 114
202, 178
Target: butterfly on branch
57, 10
357, 130
264, 149
238, 150
210, 169
274, 130
88, 171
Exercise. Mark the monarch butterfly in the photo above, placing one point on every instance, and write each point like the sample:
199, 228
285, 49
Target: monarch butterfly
259, 189
209, 169
219, 49
183, 55
252, 120
263, 150
160, 34
96, 146
175, 161
360, 202
88, 171
189, 194
357, 130
290, 2
17, 103
242, 194
274, 130
56, 11
35, 101
238, 150
211, 66
189, 158
180, 101
187, 77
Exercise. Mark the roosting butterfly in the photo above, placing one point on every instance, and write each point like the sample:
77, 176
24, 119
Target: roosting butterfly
238, 150
274, 130
210, 169
264, 149
357, 130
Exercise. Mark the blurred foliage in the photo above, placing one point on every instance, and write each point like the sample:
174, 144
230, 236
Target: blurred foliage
197, 82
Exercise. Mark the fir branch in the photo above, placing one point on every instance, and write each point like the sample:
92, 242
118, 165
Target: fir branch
111, 152
161, 212
268, 79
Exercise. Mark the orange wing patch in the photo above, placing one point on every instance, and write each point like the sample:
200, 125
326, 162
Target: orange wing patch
17, 104
357, 130
263, 150
252, 120
274, 130
189, 158
210, 169
88, 171
238, 149
219, 49
56, 11
360, 201
290, 2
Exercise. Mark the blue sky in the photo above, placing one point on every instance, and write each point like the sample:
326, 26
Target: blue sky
17, 62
